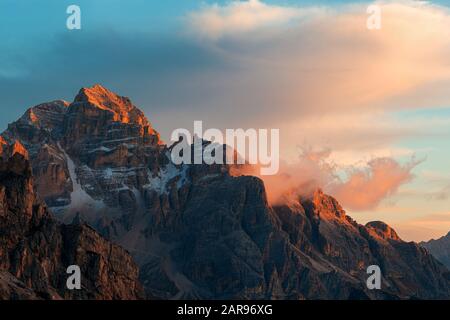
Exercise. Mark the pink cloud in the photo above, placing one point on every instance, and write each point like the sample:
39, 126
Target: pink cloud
297, 65
215, 21
360, 189
366, 188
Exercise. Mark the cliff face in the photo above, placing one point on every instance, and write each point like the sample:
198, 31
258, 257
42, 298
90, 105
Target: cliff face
195, 230
108, 138
35, 250
440, 249
408, 270
226, 242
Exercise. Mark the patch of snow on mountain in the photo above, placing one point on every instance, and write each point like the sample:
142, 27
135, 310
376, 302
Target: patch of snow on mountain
79, 198
108, 173
160, 182
102, 148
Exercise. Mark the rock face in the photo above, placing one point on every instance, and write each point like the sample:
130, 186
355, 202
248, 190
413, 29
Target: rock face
107, 136
440, 249
35, 250
13, 289
196, 231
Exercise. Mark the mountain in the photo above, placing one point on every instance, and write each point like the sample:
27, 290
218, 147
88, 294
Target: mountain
199, 231
439, 248
35, 250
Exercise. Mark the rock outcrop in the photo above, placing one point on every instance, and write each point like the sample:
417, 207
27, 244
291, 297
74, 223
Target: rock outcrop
408, 271
439, 248
197, 231
35, 250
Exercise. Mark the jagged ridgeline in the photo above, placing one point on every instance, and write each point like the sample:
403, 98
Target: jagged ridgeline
196, 231
440, 248
35, 250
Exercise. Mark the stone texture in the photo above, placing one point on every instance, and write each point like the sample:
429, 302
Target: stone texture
13, 289
35, 250
196, 231
38, 130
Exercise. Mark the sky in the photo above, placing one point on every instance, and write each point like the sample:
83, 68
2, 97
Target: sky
363, 114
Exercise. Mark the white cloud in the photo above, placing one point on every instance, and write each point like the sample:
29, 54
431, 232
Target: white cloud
329, 62
215, 21
366, 188
319, 74
361, 188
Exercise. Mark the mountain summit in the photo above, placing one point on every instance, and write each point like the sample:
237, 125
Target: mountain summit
100, 126
35, 250
197, 231
121, 107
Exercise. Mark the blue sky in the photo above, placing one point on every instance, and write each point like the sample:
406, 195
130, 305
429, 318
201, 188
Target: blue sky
312, 70
32, 28
29, 28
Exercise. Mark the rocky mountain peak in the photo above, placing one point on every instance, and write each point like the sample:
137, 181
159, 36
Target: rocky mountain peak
121, 107
381, 229
102, 132
97, 113
326, 206
8, 150
46, 115
199, 231
35, 250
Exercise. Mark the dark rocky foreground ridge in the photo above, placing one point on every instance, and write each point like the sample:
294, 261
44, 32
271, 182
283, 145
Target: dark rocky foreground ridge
197, 231
35, 250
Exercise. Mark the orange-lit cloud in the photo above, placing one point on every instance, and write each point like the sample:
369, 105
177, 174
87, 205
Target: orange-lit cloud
365, 188
323, 61
321, 77
360, 189
310, 172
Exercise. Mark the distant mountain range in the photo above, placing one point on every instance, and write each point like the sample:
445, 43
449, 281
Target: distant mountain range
440, 248
194, 231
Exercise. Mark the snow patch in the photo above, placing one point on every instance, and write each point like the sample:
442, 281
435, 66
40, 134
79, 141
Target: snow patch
108, 173
79, 198
160, 182
102, 148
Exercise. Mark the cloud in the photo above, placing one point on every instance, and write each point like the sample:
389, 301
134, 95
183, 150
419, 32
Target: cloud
442, 194
273, 66
216, 21
309, 172
316, 73
361, 188
330, 61
366, 188
323, 61
355, 136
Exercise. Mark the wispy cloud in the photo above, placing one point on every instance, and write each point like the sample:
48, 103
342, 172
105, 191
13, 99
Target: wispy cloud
331, 62
316, 73
236, 17
362, 187
366, 188
321, 63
